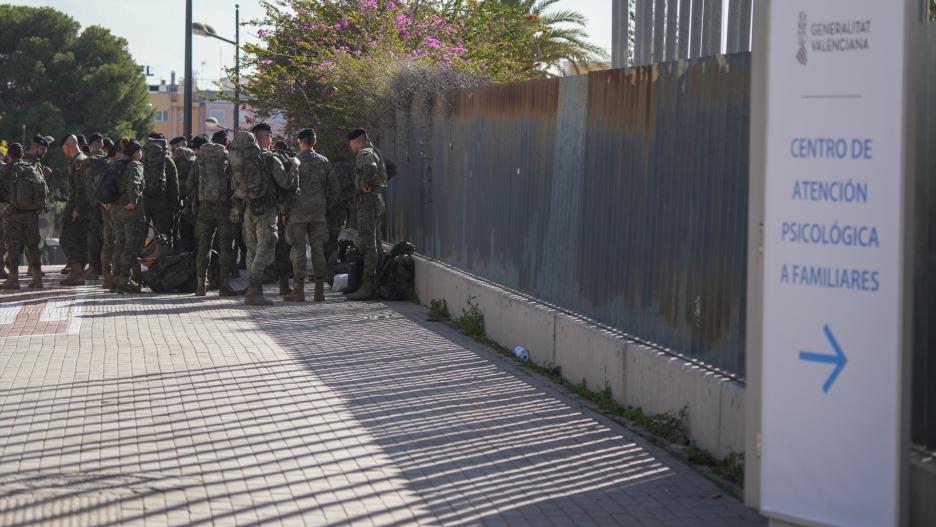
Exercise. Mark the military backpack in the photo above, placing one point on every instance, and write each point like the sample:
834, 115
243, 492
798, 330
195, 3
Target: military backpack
94, 168
214, 186
108, 190
28, 190
250, 180
155, 154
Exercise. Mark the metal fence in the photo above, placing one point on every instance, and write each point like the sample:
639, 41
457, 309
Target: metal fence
656, 31
923, 423
620, 195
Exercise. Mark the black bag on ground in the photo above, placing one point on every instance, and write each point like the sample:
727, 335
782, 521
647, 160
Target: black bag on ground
398, 278
172, 273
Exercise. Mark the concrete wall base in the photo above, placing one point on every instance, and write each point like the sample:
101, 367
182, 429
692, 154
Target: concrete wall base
638, 375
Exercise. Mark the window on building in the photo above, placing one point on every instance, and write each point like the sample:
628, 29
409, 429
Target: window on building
161, 116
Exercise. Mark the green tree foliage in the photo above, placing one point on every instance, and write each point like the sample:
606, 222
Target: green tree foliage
56, 79
337, 64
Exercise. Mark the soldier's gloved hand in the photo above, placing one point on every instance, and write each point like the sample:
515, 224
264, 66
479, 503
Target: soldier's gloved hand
234, 216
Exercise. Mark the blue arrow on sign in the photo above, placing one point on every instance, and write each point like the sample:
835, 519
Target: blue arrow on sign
838, 358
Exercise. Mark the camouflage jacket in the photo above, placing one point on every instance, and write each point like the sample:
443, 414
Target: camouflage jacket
77, 190
184, 159
131, 185
318, 189
370, 170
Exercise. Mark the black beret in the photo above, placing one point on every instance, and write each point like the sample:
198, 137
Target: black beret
95, 137
178, 140
155, 135
261, 127
82, 140
108, 142
198, 141
41, 141
357, 132
280, 145
220, 137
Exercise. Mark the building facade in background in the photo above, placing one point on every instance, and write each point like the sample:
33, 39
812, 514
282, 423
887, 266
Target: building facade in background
168, 102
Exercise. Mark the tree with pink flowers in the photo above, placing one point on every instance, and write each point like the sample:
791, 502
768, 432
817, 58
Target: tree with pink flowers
336, 64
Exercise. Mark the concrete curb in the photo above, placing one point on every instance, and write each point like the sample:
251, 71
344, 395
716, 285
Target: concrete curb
638, 375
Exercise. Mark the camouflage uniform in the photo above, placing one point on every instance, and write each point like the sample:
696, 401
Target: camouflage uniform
184, 159
318, 187
74, 241
369, 171
4, 184
214, 208
260, 223
94, 216
22, 233
160, 207
129, 225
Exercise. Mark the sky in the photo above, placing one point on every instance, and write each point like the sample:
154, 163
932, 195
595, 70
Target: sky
154, 29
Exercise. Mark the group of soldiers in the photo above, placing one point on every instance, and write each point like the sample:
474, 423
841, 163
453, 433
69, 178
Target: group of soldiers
234, 190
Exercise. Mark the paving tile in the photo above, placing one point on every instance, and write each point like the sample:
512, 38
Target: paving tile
176, 410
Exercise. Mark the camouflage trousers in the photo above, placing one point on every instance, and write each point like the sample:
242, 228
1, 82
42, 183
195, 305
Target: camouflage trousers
107, 235
317, 233
261, 236
81, 239
213, 222
370, 209
337, 218
129, 236
22, 233
282, 262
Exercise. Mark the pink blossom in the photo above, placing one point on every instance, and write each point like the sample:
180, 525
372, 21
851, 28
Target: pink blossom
369, 4
433, 42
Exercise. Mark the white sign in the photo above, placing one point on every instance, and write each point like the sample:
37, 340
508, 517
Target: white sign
833, 251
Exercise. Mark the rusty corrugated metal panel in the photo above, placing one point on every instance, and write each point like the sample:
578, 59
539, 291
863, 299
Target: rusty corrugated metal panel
621, 196
923, 422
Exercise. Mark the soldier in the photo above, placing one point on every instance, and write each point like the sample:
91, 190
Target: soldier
78, 213
95, 167
257, 173
282, 264
210, 185
184, 159
370, 176
318, 187
26, 197
161, 193
108, 280
127, 214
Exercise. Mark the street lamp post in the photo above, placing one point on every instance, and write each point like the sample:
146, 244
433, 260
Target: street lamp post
187, 109
204, 30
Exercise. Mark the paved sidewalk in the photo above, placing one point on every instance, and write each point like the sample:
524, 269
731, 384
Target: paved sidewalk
170, 410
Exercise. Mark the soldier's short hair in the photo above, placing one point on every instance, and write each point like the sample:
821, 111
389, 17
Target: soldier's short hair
82, 140
15, 151
94, 138
220, 137
261, 127
280, 146
198, 141
307, 136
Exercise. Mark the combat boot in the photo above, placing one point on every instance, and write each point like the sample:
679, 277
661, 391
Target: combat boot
3, 272
115, 283
255, 296
284, 286
12, 281
319, 290
200, 288
298, 292
365, 292
36, 282
75, 276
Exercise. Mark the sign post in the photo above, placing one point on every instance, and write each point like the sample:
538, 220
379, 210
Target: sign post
832, 451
